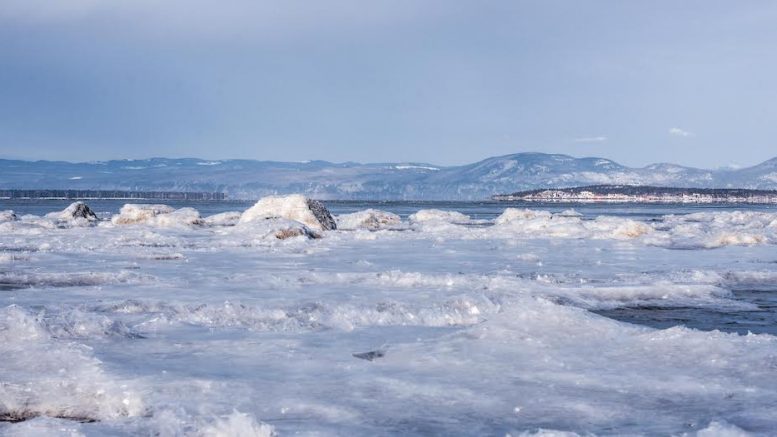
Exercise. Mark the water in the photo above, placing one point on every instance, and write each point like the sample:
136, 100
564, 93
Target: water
762, 319
485, 210
633, 319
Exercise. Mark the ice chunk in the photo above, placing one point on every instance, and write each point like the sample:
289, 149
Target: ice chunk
238, 424
732, 238
539, 224
273, 228
370, 219
717, 229
297, 207
156, 215
139, 213
568, 224
722, 429
48, 378
438, 215
179, 217
229, 218
515, 214
617, 227
7, 216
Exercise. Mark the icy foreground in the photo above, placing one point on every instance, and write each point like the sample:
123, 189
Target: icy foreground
158, 321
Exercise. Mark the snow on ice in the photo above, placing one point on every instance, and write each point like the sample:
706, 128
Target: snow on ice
277, 321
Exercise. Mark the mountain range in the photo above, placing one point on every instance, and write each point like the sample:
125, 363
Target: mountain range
249, 179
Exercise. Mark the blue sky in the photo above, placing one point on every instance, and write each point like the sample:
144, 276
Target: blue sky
447, 82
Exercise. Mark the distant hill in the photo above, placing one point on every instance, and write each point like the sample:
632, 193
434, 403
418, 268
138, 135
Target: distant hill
247, 179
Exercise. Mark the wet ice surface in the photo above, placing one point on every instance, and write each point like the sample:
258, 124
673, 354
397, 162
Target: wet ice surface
442, 325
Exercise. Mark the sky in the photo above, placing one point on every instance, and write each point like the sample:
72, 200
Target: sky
692, 82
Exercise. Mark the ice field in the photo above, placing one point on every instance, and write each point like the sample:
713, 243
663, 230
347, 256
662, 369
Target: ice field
432, 321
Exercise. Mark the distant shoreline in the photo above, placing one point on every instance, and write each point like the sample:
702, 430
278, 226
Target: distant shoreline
641, 194
108, 195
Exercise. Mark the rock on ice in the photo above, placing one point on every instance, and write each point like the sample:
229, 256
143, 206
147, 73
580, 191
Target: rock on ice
76, 211
7, 216
297, 207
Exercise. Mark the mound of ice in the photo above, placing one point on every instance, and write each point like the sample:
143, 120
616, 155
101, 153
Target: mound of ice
272, 229
717, 229
78, 213
179, 217
739, 239
229, 218
139, 213
617, 227
568, 224
156, 215
370, 219
722, 429
538, 224
48, 378
438, 215
297, 207
515, 214
7, 216
238, 424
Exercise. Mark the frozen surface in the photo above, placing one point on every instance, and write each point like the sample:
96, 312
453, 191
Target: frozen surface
160, 322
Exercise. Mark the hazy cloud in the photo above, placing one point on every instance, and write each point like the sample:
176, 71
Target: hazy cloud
676, 131
239, 20
599, 139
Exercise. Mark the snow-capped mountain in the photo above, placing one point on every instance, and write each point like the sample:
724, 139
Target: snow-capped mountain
417, 181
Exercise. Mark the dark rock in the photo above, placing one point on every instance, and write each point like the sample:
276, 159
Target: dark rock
283, 234
322, 215
371, 355
82, 210
21, 416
